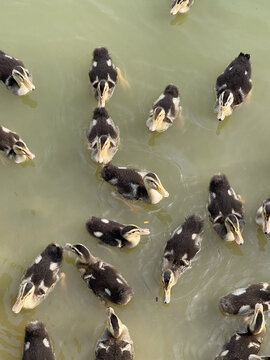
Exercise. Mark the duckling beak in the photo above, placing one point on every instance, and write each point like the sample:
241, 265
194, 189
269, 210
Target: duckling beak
17, 307
28, 83
257, 323
162, 191
167, 295
157, 120
238, 237
175, 9
101, 155
144, 231
222, 110
266, 226
28, 153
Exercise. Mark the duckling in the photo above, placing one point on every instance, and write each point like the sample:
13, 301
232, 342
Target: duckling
263, 216
226, 210
102, 278
40, 278
242, 301
181, 6
114, 233
247, 340
134, 184
165, 110
233, 85
13, 147
103, 136
14, 75
179, 251
115, 342
37, 343
103, 75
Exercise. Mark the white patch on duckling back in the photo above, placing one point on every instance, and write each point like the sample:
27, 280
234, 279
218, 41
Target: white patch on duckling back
113, 181
224, 353
8, 56
253, 344
239, 291
122, 167
90, 276
237, 337
213, 195
246, 72
105, 221
127, 347
5, 129
178, 232
98, 234
229, 192
53, 266
193, 236
46, 343
38, 259
109, 62
94, 63
244, 309
107, 291
230, 68
27, 346
119, 281
94, 122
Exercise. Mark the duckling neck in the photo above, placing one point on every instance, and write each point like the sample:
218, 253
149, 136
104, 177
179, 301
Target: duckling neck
154, 196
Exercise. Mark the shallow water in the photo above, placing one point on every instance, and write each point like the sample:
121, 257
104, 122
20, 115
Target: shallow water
50, 198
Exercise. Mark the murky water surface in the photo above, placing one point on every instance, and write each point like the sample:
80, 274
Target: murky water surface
51, 198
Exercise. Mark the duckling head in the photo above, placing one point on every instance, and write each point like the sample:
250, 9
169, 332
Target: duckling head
157, 119
179, 6
115, 325
132, 234
21, 149
225, 102
81, 251
233, 229
24, 80
266, 217
103, 92
257, 322
169, 281
154, 188
26, 294
101, 149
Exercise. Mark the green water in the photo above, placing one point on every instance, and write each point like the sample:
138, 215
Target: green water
50, 198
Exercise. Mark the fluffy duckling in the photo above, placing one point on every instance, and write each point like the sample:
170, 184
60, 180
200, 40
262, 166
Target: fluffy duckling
233, 85
134, 184
14, 75
13, 147
226, 210
242, 301
263, 216
103, 75
179, 251
103, 279
246, 341
165, 110
181, 6
103, 136
115, 342
37, 343
40, 278
114, 233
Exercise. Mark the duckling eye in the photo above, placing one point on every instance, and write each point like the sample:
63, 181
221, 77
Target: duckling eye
41, 292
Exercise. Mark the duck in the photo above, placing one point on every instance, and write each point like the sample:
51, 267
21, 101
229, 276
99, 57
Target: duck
37, 343
247, 340
102, 278
40, 278
179, 251
115, 342
263, 216
13, 147
134, 184
225, 210
165, 110
14, 75
114, 233
103, 136
181, 6
233, 86
242, 301
103, 75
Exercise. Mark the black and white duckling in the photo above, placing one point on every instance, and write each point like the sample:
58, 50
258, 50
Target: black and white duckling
115, 343
233, 85
103, 136
37, 343
13, 147
247, 340
263, 216
225, 210
102, 278
165, 110
134, 184
242, 301
181, 6
103, 75
114, 233
179, 251
14, 75
40, 278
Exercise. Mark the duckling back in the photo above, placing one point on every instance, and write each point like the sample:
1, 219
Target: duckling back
7, 64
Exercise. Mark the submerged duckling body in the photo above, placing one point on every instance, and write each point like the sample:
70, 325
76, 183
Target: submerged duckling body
242, 301
134, 184
40, 278
13, 147
233, 85
14, 75
263, 216
181, 6
103, 136
225, 210
165, 110
102, 278
179, 251
247, 340
114, 233
37, 343
103, 75
115, 343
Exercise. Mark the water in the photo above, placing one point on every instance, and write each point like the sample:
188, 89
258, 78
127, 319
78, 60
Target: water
50, 198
